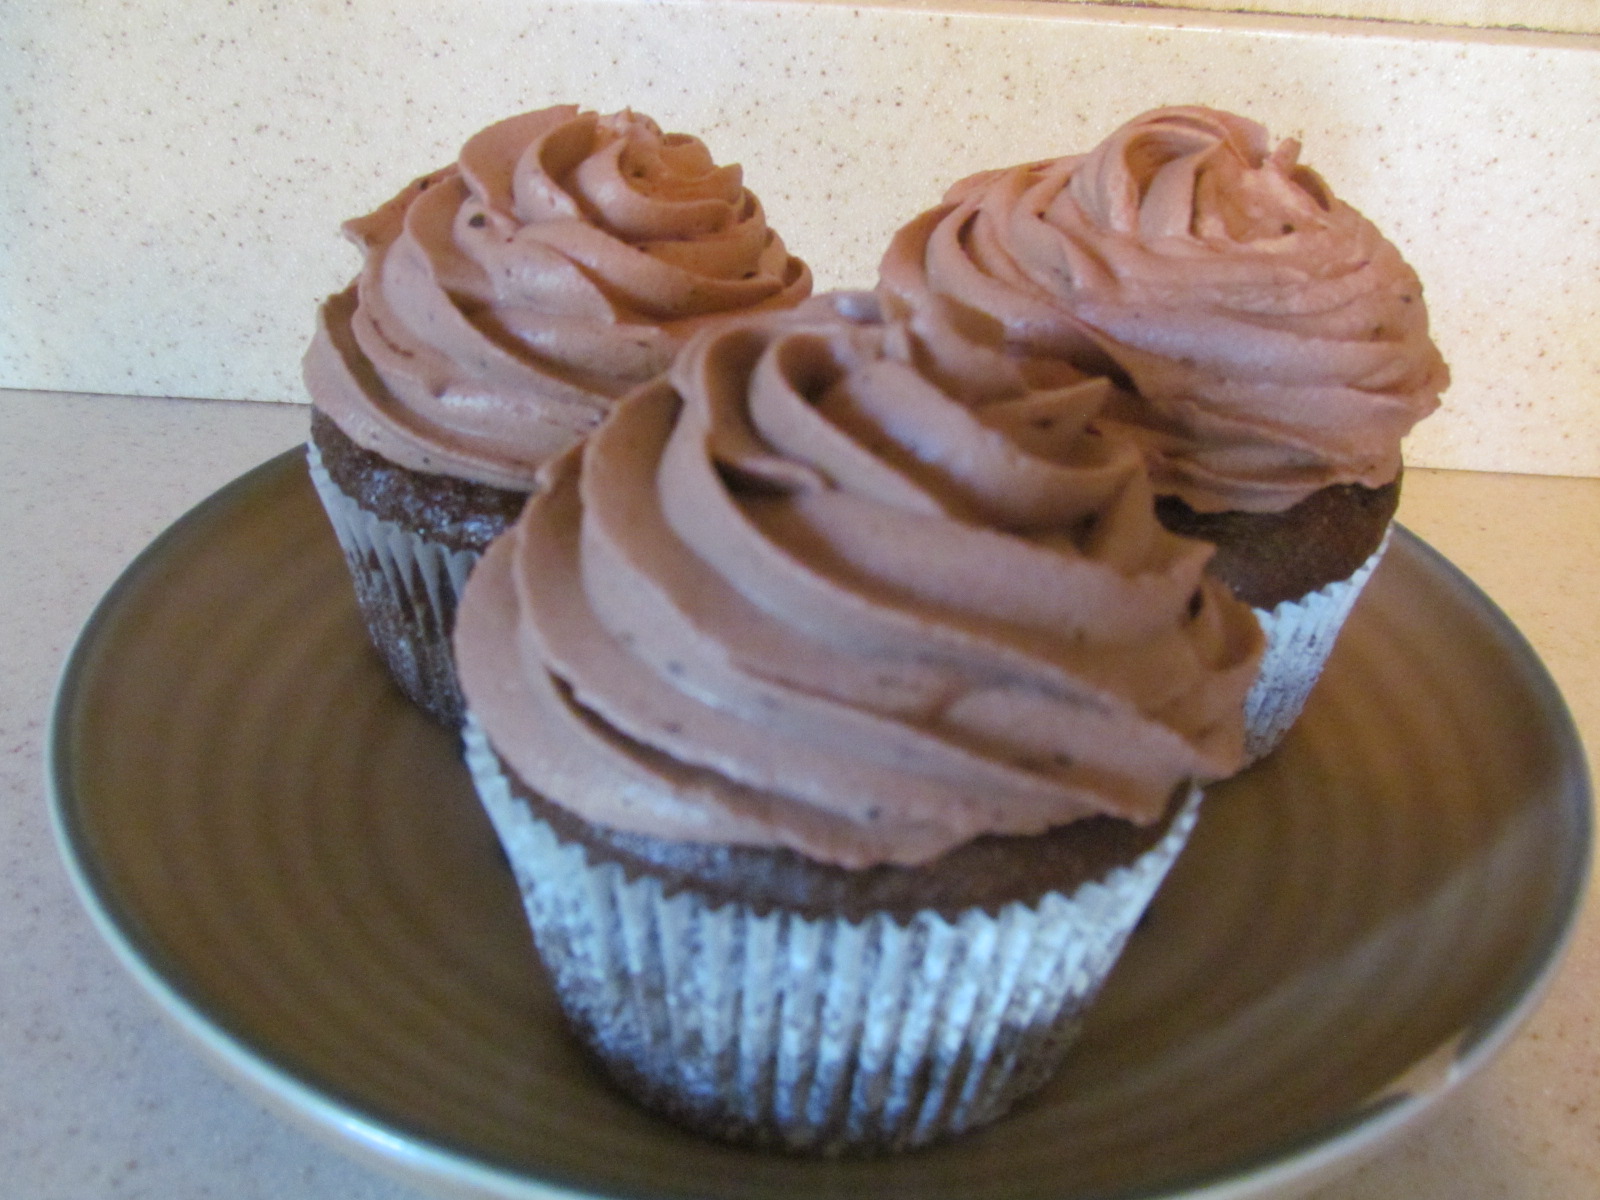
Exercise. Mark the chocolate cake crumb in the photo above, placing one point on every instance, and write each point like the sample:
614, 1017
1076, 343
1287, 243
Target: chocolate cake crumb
987, 873
453, 512
1267, 558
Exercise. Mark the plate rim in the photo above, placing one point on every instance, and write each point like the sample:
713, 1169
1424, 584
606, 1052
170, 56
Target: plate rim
418, 1159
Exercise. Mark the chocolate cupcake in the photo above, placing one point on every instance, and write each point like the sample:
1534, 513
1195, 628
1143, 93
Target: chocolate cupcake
840, 705
504, 303
1270, 349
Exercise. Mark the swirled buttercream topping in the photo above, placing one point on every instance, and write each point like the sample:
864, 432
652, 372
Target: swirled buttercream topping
819, 589
1273, 342
507, 300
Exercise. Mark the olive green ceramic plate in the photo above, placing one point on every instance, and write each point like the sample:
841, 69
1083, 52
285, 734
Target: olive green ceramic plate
292, 863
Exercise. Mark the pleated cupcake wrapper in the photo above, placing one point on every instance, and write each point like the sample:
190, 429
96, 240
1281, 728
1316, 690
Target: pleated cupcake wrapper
822, 1034
1300, 636
397, 570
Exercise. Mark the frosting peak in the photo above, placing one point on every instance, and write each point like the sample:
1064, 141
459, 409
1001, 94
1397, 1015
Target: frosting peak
820, 588
507, 300
1273, 342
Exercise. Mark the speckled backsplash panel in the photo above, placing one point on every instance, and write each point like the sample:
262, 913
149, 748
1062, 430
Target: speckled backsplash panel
172, 176
1562, 16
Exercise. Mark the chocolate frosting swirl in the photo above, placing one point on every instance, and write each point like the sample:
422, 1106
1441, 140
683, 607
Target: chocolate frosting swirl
1272, 341
822, 589
507, 300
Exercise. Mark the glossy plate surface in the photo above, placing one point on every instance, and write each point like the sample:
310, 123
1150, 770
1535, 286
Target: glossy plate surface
291, 860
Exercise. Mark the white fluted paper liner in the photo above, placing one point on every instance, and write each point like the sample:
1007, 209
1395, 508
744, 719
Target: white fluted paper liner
821, 1034
407, 588
1300, 636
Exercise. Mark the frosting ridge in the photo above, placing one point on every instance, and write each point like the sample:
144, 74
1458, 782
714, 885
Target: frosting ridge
1272, 341
812, 590
506, 300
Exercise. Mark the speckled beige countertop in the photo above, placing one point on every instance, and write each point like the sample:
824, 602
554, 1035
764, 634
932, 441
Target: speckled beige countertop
99, 1097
